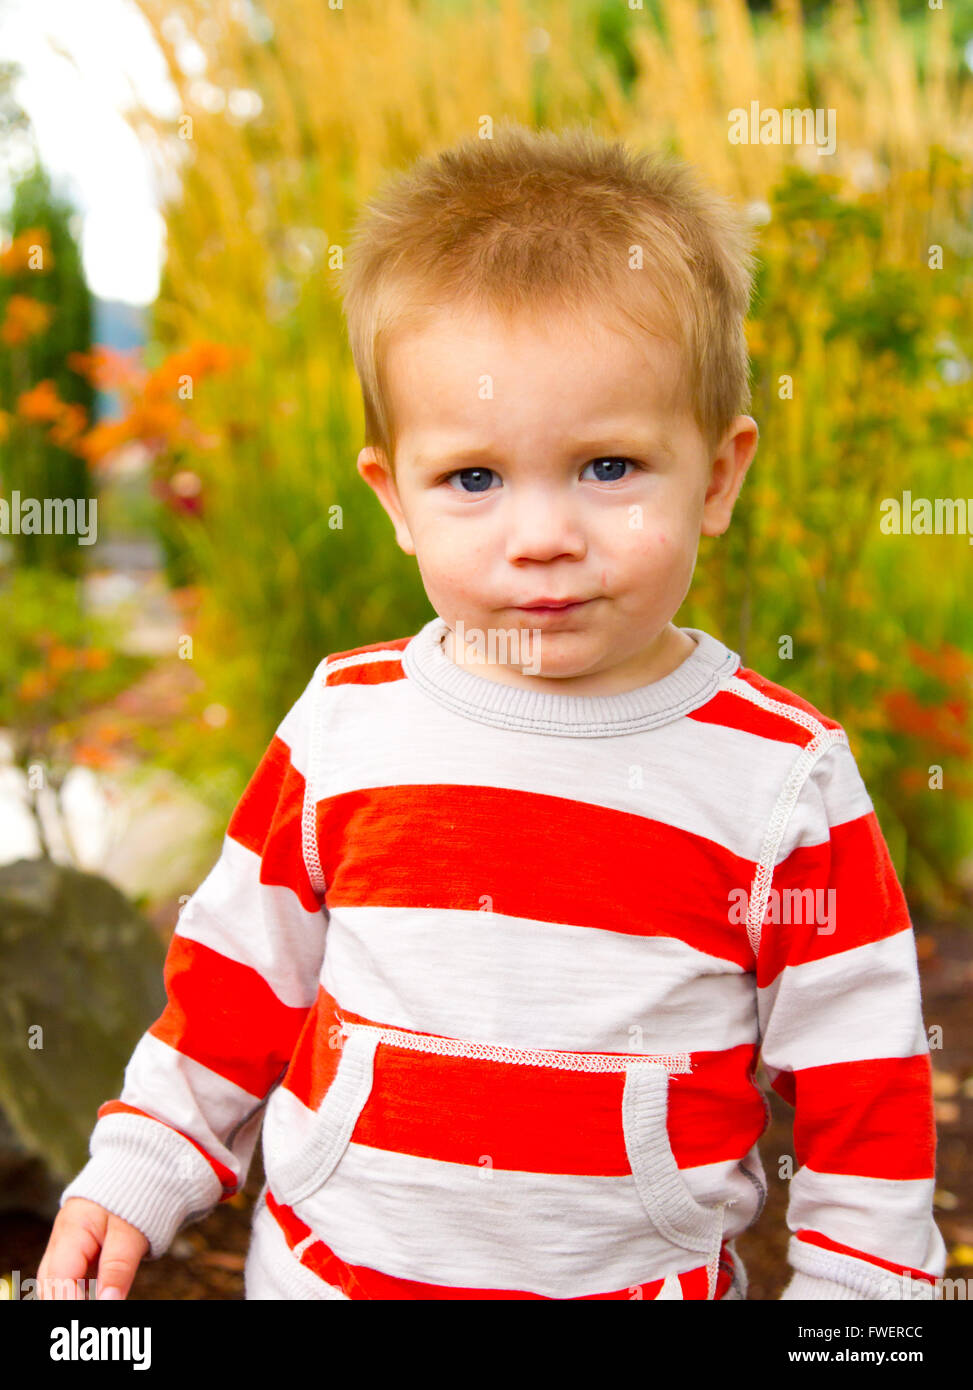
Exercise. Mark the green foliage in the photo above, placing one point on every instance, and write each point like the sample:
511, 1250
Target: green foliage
849, 347
57, 661
30, 462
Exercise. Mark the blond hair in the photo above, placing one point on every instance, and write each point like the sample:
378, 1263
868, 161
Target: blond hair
530, 221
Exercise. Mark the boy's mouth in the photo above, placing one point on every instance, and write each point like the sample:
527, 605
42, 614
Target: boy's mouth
552, 605
544, 605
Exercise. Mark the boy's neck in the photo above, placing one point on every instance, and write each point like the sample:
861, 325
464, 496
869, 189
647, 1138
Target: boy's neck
669, 650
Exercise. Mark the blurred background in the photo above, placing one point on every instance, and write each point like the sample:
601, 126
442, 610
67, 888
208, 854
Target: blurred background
177, 184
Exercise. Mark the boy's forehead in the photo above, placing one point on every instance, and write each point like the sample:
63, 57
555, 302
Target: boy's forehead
450, 371
551, 328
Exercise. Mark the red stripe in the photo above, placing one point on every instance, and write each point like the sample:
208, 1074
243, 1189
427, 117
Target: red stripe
537, 1119
718, 1111
785, 1086
783, 696
850, 1118
226, 1176
529, 1118
732, 711
267, 820
869, 904
826, 1243
225, 1016
448, 847
316, 1054
358, 1281
369, 672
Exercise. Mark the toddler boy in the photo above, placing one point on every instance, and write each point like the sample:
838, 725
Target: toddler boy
510, 906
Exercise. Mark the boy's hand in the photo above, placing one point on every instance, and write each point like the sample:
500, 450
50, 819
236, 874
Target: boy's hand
82, 1229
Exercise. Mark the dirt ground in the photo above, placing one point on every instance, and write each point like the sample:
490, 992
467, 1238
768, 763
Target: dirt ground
206, 1259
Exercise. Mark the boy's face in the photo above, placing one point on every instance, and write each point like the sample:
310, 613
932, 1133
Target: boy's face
534, 423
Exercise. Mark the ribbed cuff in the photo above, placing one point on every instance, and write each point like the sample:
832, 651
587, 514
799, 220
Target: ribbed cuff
147, 1174
828, 1274
808, 1286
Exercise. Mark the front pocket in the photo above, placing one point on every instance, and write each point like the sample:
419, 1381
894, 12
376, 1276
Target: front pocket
334, 1121
663, 1190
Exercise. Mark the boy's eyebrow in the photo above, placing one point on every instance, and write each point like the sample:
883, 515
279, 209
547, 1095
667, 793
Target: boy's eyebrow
626, 440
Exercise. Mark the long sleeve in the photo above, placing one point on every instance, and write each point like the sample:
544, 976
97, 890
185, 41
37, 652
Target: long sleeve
843, 1042
241, 974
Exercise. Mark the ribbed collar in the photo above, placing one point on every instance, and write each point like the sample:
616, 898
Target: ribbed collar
463, 691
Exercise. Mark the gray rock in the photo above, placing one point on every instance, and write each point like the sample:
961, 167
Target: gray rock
81, 974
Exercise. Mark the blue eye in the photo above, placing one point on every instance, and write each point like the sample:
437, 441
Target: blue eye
614, 462
479, 477
477, 480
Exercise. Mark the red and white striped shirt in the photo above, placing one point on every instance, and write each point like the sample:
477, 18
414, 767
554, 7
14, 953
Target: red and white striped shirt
492, 968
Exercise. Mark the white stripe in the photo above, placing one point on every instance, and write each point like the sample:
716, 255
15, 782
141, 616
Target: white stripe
671, 1289
298, 1250
706, 779
291, 1127
197, 1101
517, 982
806, 1021
558, 1235
833, 794
885, 1217
363, 659
293, 729
260, 925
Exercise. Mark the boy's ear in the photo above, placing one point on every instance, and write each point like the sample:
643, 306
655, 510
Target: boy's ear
373, 467
728, 468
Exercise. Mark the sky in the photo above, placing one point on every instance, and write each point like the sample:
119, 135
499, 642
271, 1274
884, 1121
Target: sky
90, 152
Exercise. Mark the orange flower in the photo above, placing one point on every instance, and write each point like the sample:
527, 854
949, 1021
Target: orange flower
932, 724
34, 685
912, 780
17, 256
25, 318
949, 663
95, 658
154, 414
61, 658
108, 368
90, 755
101, 440
196, 362
42, 403
70, 426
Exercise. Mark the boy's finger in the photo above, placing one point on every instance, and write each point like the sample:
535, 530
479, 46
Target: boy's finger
64, 1266
120, 1256
68, 1259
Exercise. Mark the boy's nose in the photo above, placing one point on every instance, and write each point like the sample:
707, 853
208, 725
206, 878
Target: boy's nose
540, 527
